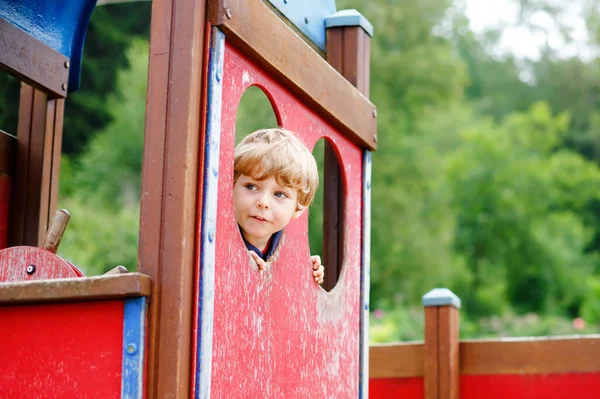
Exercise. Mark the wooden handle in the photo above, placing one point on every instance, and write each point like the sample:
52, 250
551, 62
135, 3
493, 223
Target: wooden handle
56, 230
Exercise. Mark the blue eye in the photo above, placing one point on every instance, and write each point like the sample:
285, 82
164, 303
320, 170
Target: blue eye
250, 186
280, 194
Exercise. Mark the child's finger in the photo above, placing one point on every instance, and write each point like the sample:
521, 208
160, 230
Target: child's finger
316, 261
258, 260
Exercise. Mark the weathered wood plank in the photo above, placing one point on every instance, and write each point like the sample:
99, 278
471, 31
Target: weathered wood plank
397, 360
169, 190
75, 289
31, 61
577, 354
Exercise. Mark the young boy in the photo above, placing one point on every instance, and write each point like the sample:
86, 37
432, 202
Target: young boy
275, 180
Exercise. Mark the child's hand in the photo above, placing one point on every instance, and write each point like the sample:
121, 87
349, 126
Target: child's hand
262, 265
318, 269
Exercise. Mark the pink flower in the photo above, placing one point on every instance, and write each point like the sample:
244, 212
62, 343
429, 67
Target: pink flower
578, 323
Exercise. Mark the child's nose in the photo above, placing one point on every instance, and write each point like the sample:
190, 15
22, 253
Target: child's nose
263, 202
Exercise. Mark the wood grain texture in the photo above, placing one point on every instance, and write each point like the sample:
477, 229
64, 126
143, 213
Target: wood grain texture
432, 353
37, 166
255, 29
31, 61
8, 152
403, 360
544, 355
56, 230
449, 373
75, 289
169, 189
19, 199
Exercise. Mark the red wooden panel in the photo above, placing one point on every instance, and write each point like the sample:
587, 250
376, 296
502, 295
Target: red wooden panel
276, 333
390, 388
71, 350
547, 386
15, 261
4, 205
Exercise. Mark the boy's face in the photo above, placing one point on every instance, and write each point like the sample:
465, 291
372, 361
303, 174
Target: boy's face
263, 207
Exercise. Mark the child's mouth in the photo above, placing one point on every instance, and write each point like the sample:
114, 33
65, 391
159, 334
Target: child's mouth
260, 219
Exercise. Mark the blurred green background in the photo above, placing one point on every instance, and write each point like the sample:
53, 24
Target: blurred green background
486, 180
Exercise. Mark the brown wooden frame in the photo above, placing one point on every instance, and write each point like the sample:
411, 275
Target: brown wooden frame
31, 61
39, 139
402, 360
169, 202
75, 289
577, 354
252, 26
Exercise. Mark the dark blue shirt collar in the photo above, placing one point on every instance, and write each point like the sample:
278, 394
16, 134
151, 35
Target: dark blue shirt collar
270, 249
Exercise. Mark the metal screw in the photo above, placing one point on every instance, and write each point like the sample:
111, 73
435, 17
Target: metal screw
375, 138
30, 269
306, 20
131, 349
64, 86
229, 13
67, 64
374, 113
211, 236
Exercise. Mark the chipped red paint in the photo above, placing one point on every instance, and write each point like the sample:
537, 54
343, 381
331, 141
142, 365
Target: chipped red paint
276, 333
404, 388
547, 386
4, 204
14, 262
70, 350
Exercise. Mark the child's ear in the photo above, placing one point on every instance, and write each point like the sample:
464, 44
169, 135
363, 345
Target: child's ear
299, 211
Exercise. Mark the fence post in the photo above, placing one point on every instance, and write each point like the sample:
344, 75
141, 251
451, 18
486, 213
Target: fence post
442, 366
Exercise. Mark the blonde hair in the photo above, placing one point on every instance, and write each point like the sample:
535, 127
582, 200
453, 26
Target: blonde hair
280, 153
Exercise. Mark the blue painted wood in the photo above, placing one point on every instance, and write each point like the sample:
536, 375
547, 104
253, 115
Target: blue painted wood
134, 326
349, 18
441, 297
59, 24
308, 16
365, 277
209, 215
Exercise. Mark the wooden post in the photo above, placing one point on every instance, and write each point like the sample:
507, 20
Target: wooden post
349, 52
441, 344
37, 166
169, 200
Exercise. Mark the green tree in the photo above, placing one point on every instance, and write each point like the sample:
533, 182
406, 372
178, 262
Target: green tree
521, 204
101, 187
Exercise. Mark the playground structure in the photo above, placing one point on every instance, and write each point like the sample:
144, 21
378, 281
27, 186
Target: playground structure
198, 320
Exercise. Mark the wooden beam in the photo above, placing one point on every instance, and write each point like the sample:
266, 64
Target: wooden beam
39, 142
397, 360
8, 149
442, 373
31, 61
544, 355
75, 289
170, 190
252, 26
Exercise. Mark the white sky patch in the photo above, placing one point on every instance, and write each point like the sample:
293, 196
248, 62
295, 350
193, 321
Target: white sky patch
526, 42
